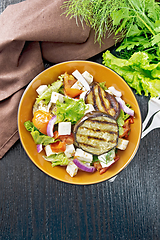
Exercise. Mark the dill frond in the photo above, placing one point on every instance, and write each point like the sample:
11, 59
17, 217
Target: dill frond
125, 19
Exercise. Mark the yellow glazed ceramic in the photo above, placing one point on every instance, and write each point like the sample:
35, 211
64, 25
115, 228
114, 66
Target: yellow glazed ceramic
101, 74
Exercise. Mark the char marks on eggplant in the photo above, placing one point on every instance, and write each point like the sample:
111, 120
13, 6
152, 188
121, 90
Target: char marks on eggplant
102, 101
96, 133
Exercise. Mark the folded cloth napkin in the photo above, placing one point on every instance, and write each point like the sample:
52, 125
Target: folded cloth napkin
33, 31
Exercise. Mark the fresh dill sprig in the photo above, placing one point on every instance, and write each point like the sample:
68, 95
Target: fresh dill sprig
135, 21
95, 13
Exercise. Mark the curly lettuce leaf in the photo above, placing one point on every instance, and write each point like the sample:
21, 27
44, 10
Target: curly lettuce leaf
57, 159
70, 110
37, 136
54, 87
137, 71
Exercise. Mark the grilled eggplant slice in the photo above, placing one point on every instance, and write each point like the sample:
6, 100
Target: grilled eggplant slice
102, 101
96, 133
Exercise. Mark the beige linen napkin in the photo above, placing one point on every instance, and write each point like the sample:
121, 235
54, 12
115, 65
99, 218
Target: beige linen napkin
30, 32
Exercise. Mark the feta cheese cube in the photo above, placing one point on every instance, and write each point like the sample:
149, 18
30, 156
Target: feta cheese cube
48, 150
56, 96
64, 128
41, 89
90, 108
71, 169
107, 159
122, 143
83, 156
88, 77
102, 158
81, 79
70, 151
108, 164
77, 85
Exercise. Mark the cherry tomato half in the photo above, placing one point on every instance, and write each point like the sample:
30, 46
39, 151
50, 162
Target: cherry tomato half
41, 120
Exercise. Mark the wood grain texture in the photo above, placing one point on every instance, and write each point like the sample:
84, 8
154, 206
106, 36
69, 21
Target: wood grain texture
35, 206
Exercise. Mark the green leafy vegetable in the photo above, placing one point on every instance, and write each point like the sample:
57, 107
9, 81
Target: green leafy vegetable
122, 117
137, 22
95, 159
70, 110
38, 137
41, 139
29, 126
54, 87
57, 159
103, 85
137, 71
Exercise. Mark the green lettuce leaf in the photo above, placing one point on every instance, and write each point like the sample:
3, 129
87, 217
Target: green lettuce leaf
54, 87
57, 159
137, 71
122, 117
103, 85
70, 110
38, 137
95, 159
120, 122
29, 126
41, 138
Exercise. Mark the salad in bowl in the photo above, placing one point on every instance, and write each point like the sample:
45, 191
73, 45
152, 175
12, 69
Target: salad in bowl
80, 123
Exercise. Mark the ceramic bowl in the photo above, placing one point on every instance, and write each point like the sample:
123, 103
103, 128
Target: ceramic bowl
101, 74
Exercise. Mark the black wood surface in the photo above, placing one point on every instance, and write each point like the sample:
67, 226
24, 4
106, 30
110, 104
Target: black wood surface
36, 206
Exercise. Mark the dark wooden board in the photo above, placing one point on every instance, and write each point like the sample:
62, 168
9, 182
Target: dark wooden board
36, 206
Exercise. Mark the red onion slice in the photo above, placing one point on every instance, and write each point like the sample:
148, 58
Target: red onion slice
50, 126
39, 148
83, 166
124, 107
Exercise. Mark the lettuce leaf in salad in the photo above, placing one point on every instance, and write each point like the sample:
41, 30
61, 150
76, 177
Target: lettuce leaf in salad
54, 87
57, 159
41, 139
38, 137
29, 126
103, 85
70, 110
122, 117
137, 71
